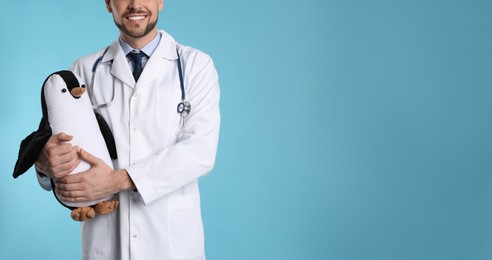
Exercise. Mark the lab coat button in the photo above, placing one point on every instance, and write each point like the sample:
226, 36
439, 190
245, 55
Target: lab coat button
134, 235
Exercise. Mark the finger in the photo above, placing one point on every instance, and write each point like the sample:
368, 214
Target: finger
66, 156
71, 196
64, 164
62, 137
86, 156
59, 153
70, 179
65, 168
74, 192
75, 199
74, 164
52, 140
58, 139
64, 189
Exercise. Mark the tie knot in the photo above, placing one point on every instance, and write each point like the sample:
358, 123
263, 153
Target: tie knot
136, 57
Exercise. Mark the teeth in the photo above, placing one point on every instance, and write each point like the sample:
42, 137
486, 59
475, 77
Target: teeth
134, 18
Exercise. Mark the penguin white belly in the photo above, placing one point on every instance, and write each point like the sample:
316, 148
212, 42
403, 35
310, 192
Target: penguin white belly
74, 116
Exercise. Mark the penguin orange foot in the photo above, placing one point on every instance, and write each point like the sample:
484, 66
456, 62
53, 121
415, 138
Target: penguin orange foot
106, 207
83, 214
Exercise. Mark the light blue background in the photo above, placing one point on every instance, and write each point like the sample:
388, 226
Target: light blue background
351, 129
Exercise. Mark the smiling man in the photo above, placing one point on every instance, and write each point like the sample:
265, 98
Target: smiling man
161, 101
137, 26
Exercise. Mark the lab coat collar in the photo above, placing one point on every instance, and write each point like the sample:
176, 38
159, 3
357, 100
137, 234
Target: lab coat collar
167, 47
156, 65
166, 50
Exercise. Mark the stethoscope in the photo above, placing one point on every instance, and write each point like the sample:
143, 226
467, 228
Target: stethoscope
184, 107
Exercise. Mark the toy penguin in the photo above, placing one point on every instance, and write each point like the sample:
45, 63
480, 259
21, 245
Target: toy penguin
66, 109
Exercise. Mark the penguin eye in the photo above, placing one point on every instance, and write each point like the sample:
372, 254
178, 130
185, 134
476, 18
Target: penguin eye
64, 90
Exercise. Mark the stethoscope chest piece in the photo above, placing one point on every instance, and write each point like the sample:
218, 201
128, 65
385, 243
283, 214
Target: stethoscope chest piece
184, 108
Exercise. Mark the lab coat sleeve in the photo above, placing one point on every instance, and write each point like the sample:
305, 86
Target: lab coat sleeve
194, 153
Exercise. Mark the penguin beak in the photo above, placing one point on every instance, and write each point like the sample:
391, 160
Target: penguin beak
77, 92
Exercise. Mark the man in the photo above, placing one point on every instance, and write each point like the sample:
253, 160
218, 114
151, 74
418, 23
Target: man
161, 152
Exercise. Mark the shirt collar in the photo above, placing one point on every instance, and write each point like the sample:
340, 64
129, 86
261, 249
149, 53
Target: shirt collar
147, 49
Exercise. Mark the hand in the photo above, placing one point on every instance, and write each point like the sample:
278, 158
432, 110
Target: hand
58, 157
98, 182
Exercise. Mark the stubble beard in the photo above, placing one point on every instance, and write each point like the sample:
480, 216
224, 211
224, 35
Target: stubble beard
136, 33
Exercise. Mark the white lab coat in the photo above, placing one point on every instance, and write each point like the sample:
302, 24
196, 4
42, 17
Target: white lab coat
163, 152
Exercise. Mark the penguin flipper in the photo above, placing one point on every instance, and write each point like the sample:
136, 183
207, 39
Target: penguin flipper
108, 136
31, 147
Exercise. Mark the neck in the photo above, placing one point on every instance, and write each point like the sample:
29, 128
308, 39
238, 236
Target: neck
139, 43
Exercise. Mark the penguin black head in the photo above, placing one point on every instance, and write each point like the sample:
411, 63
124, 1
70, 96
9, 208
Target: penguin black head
72, 84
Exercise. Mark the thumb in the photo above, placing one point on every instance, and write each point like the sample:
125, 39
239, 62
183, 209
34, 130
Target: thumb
89, 158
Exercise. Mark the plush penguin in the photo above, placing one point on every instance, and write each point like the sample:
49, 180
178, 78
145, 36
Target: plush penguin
67, 109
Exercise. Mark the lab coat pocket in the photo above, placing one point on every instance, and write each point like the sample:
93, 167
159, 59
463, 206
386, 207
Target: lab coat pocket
97, 236
167, 100
185, 226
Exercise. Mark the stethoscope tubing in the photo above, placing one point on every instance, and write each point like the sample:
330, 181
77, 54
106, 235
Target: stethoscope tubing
184, 107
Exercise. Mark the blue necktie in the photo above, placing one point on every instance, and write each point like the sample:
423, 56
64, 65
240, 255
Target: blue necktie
136, 57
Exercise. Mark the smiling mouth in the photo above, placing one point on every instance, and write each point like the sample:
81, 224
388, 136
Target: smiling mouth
136, 17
